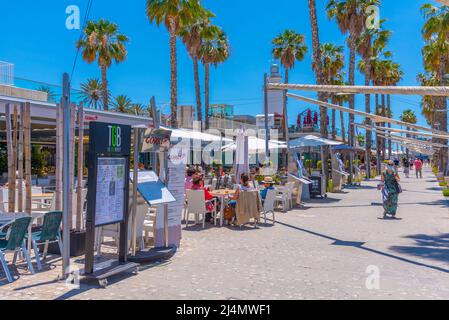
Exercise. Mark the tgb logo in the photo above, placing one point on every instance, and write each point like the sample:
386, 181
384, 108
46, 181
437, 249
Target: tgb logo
115, 138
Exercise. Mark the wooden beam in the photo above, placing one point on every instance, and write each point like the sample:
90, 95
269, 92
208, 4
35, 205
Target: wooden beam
27, 147
79, 191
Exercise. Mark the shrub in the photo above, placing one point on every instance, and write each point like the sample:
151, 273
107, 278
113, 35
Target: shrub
443, 184
446, 192
320, 165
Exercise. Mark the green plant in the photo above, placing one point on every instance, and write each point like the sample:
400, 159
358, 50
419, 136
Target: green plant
308, 165
330, 185
443, 184
446, 192
319, 165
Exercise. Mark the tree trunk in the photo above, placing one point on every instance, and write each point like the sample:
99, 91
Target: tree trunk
197, 90
334, 130
352, 51
368, 120
173, 76
384, 153
104, 85
286, 133
390, 145
206, 92
320, 80
378, 142
442, 115
14, 154
342, 122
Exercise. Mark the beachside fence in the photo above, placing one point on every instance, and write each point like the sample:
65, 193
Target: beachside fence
6, 73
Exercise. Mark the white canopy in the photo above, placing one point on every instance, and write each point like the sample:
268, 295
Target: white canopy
257, 145
312, 141
195, 135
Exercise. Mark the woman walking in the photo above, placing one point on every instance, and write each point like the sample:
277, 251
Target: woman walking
390, 191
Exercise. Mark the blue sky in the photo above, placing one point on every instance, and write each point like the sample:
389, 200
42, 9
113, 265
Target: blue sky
41, 48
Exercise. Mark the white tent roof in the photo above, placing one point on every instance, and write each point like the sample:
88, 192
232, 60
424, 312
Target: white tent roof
256, 144
195, 135
312, 141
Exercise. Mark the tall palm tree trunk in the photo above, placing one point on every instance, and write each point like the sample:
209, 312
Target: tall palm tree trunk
342, 122
197, 90
384, 110
173, 76
390, 145
334, 130
206, 92
286, 135
368, 120
378, 142
104, 85
320, 80
352, 51
442, 115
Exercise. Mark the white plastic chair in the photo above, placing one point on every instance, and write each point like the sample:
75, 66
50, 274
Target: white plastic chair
196, 204
268, 205
282, 197
290, 186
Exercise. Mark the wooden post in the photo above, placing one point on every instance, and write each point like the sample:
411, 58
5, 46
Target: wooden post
72, 110
79, 191
11, 169
59, 151
20, 161
27, 147
14, 157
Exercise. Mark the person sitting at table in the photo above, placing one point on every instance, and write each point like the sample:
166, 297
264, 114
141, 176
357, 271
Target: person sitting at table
197, 184
188, 181
245, 185
268, 183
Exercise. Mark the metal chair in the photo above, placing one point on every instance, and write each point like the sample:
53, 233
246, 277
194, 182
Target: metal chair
15, 241
50, 232
268, 205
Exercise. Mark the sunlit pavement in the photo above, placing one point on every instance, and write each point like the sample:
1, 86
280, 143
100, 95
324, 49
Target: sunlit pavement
337, 248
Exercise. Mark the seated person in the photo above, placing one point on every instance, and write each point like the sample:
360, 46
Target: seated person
268, 185
190, 175
197, 184
245, 185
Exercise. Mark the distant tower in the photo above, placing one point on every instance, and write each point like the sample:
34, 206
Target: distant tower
275, 97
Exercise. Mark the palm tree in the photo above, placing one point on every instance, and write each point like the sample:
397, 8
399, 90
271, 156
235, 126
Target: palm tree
340, 99
175, 14
435, 53
193, 36
370, 44
50, 94
103, 43
409, 116
288, 47
137, 109
91, 93
332, 61
122, 104
213, 51
351, 17
428, 103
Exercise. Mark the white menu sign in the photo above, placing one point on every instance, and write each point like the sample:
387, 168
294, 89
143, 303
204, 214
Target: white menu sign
110, 197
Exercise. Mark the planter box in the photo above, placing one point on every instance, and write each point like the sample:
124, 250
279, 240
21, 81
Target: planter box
77, 244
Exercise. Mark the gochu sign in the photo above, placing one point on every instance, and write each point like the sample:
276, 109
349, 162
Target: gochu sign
156, 140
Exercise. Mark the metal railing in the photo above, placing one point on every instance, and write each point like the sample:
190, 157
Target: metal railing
6, 73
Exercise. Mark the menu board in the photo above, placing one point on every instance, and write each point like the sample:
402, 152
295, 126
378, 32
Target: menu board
176, 185
152, 189
110, 197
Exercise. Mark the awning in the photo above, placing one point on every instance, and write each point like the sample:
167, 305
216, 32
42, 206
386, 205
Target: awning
312, 141
257, 145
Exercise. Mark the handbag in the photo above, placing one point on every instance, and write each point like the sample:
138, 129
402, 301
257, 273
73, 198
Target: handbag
398, 187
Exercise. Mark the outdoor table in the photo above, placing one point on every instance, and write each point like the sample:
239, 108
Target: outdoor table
222, 195
43, 196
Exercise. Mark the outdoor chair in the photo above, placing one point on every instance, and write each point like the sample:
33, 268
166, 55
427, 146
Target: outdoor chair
282, 197
196, 204
50, 232
290, 186
15, 241
249, 206
268, 205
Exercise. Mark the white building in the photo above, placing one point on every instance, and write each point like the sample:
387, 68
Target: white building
275, 97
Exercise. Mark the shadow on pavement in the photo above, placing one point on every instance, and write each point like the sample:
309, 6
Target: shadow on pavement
360, 246
428, 247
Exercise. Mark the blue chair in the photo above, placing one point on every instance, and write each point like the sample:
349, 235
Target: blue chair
15, 241
49, 232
